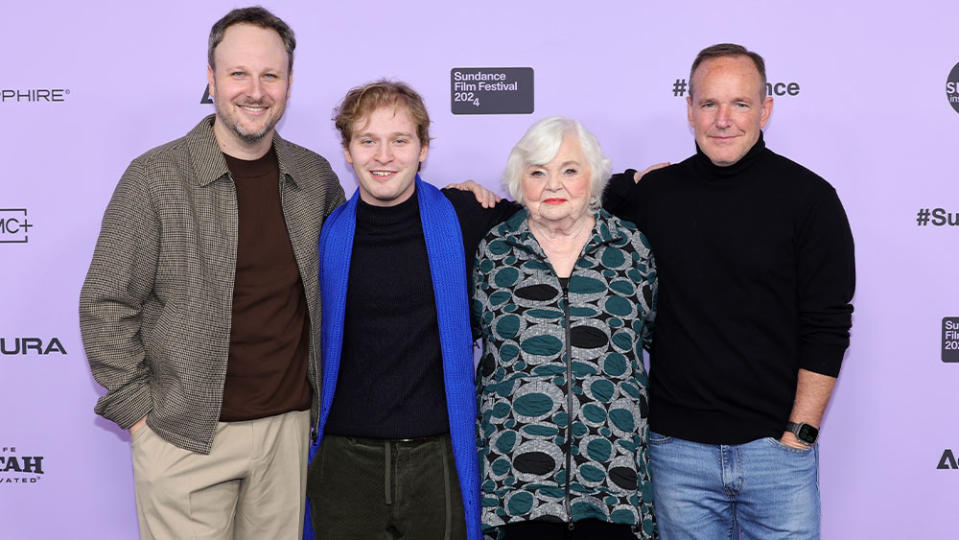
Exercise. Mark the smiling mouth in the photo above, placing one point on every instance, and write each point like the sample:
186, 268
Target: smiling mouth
255, 109
382, 174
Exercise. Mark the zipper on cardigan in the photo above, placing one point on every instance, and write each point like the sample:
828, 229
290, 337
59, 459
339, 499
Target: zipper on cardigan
569, 405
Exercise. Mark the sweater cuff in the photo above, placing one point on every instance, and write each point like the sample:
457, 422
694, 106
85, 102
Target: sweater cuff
822, 359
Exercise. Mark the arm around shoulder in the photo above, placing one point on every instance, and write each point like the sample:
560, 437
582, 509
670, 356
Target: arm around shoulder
617, 194
475, 219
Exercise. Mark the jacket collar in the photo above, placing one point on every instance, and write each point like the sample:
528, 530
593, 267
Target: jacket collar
208, 161
606, 229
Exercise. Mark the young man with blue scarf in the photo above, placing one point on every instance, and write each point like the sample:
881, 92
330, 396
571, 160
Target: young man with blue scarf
395, 454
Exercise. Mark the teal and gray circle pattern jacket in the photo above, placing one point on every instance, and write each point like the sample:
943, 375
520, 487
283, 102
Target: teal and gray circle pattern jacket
561, 383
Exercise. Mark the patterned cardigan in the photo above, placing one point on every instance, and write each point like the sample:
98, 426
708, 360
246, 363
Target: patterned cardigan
548, 357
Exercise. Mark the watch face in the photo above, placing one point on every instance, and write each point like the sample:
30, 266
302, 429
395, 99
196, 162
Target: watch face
807, 433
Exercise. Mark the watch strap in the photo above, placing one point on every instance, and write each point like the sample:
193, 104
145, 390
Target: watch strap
805, 433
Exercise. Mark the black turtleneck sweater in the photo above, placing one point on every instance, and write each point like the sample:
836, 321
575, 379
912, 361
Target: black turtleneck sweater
390, 384
756, 273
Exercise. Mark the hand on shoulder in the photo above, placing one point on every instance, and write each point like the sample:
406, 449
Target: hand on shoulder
638, 175
485, 197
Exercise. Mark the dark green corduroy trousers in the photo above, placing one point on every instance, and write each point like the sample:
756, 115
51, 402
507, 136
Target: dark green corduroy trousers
373, 489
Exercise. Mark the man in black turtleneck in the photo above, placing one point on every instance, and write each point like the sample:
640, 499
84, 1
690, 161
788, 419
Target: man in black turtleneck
756, 272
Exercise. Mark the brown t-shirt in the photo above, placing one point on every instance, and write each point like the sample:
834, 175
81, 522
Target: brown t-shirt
269, 335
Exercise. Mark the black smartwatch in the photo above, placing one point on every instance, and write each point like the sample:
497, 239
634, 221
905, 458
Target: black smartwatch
806, 433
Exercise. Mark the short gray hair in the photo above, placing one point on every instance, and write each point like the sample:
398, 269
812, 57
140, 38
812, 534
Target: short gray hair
541, 143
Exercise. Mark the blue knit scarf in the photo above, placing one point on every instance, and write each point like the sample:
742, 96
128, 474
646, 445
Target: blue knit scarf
444, 248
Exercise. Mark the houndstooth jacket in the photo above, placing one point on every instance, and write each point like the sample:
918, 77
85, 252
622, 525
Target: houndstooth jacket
156, 305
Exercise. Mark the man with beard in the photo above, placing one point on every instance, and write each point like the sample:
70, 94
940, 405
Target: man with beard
200, 313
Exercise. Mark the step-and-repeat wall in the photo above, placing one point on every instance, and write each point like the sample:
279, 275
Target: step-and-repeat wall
865, 95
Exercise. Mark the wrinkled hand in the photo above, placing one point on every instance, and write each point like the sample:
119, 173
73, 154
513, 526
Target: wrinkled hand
640, 174
136, 427
485, 197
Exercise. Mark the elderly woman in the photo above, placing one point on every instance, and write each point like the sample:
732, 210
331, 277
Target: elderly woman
564, 297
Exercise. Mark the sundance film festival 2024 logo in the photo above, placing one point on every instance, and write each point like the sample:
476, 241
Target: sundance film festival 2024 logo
950, 339
950, 353
491, 90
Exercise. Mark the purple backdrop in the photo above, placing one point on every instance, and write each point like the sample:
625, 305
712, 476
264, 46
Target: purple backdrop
870, 115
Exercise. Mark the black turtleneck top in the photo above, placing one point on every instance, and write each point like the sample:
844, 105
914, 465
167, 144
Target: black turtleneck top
390, 384
756, 272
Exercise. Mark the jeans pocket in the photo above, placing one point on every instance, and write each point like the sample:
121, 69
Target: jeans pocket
776, 444
655, 439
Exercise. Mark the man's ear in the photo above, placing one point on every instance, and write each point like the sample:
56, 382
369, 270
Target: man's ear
210, 81
767, 111
424, 150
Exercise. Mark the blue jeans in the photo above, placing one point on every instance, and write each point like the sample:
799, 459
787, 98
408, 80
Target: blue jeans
761, 489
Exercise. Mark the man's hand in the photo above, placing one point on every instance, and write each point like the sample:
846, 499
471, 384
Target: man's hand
640, 174
485, 197
812, 395
789, 439
136, 427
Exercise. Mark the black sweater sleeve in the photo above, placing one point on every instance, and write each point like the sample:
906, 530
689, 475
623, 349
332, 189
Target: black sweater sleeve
619, 196
826, 282
628, 199
476, 221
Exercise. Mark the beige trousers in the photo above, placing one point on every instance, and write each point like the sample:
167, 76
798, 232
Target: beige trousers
252, 485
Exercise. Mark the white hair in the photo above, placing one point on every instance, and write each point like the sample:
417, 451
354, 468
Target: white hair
540, 145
